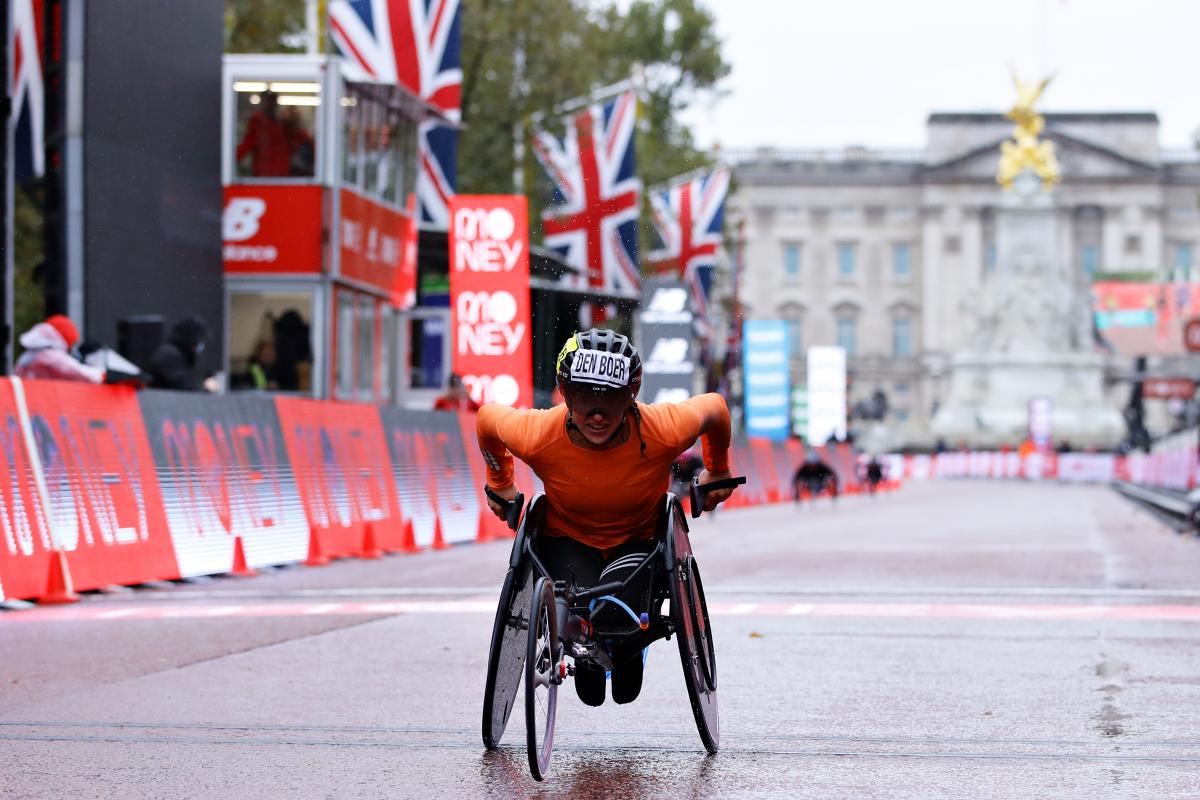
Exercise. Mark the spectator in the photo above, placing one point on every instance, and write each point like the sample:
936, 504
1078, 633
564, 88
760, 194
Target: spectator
301, 153
48, 353
173, 365
262, 366
456, 397
293, 352
266, 141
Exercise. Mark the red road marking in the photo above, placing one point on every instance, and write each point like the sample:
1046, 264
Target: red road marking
106, 612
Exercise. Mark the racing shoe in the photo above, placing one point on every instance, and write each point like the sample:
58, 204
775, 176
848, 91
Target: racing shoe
589, 684
627, 680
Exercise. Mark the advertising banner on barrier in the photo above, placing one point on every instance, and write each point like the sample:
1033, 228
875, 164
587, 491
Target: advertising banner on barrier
224, 473
343, 472
667, 341
489, 298
272, 228
101, 484
25, 544
765, 366
431, 473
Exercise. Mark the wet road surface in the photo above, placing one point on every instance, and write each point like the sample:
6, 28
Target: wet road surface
955, 639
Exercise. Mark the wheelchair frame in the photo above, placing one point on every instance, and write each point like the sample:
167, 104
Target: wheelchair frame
526, 587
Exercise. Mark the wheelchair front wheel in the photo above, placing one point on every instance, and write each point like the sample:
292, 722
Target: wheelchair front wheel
541, 682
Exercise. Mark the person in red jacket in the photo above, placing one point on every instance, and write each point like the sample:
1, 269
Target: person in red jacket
48, 353
266, 141
455, 398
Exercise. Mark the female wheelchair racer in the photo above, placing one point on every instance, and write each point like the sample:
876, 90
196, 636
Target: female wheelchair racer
596, 556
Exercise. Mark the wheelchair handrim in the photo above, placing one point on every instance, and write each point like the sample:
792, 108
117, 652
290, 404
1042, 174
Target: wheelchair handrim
699, 612
506, 659
703, 696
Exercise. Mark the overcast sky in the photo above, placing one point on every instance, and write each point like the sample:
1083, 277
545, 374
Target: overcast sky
839, 72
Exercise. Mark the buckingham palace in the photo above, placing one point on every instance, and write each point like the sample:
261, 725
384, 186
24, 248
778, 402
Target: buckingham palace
884, 252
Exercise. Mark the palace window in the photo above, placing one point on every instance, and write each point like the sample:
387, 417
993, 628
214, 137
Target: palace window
902, 346
901, 266
791, 260
847, 333
1183, 260
845, 260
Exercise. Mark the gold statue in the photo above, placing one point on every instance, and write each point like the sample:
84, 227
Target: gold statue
1025, 151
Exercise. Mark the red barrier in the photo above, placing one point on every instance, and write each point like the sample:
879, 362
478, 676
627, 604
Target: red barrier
225, 477
343, 470
100, 482
25, 548
762, 453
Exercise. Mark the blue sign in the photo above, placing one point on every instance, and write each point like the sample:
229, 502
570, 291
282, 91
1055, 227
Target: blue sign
766, 375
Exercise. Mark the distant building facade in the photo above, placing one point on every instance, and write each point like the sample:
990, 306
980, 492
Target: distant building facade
884, 252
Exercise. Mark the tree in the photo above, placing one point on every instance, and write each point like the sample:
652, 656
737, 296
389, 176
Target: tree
264, 26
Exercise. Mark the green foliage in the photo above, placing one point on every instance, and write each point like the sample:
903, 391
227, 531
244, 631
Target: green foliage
264, 26
1127, 276
29, 297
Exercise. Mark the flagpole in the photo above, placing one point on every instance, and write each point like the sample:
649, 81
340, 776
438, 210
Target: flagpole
6, 178
734, 356
576, 103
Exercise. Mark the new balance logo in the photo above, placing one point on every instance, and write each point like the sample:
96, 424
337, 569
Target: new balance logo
668, 304
669, 356
241, 218
668, 301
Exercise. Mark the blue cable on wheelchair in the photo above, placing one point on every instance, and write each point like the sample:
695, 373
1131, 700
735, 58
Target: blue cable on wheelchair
642, 620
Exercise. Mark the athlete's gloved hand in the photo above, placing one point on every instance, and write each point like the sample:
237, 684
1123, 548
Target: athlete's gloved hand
713, 499
509, 494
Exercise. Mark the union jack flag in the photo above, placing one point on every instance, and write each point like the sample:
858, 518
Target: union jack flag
593, 220
688, 216
417, 44
27, 89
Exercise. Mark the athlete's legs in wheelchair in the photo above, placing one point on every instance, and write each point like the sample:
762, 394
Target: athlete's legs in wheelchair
582, 566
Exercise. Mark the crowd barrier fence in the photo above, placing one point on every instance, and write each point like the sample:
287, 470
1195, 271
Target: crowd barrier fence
1176, 468
102, 485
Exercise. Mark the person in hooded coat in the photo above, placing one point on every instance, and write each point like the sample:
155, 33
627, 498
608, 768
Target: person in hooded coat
48, 353
173, 365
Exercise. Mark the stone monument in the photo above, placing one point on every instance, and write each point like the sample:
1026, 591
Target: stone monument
1032, 334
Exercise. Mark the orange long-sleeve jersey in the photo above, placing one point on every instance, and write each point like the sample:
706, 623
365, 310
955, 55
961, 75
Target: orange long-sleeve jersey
602, 498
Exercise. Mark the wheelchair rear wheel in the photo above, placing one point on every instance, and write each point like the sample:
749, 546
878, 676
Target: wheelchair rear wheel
506, 658
541, 682
689, 616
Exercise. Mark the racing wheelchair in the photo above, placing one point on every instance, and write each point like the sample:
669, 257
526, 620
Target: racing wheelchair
530, 647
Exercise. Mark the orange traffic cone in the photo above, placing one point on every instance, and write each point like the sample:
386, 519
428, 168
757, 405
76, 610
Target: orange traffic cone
315, 559
370, 548
240, 568
59, 589
410, 538
439, 543
482, 534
